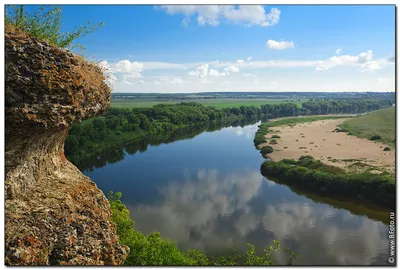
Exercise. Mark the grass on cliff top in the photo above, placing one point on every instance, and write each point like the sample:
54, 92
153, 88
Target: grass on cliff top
381, 122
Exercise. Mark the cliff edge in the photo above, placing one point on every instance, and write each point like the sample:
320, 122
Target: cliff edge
54, 214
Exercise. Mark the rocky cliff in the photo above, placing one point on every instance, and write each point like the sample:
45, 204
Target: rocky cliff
54, 214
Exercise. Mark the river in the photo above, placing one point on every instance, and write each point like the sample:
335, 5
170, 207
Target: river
206, 192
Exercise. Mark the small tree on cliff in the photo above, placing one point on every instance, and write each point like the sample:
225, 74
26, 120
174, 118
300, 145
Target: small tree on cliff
45, 24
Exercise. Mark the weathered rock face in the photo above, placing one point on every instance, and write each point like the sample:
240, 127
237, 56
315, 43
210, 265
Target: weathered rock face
54, 214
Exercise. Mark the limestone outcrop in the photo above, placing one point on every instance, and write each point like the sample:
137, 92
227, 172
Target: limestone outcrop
54, 214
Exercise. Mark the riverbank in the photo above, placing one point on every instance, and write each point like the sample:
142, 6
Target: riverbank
320, 140
313, 153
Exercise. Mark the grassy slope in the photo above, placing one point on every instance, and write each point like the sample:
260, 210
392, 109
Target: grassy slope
381, 122
218, 103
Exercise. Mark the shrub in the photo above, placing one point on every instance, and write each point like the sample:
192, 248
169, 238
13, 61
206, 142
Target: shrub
375, 138
275, 136
379, 189
387, 148
266, 150
273, 141
306, 157
341, 130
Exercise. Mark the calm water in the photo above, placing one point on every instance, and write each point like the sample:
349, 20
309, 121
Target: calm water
207, 192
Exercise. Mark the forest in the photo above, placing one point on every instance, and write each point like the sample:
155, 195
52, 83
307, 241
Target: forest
119, 126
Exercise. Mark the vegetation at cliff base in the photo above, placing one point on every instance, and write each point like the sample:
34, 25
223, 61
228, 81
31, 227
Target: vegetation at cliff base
377, 125
152, 250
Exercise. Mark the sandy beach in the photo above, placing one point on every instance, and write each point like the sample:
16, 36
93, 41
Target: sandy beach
334, 148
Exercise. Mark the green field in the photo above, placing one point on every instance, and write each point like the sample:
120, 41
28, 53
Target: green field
381, 122
218, 103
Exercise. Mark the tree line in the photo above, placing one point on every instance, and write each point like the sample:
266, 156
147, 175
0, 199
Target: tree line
117, 154
314, 175
118, 127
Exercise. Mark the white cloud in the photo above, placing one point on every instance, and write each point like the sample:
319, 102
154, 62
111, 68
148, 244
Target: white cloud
365, 56
125, 66
216, 73
215, 14
364, 59
248, 59
280, 45
200, 72
338, 51
233, 69
370, 66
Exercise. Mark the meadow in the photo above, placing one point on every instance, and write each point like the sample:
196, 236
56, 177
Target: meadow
218, 103
381, 122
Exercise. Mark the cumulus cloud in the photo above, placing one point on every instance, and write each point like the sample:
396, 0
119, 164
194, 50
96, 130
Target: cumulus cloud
126, 66
213, 15
363, 60
203, 71
338, 51
280, 45
370, 66
248, 59
233, 69
239, 61
216, 73
200, 72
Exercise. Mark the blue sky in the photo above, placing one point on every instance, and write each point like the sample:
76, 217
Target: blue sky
242, 48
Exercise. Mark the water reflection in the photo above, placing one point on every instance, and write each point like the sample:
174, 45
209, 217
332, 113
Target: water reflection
118, 154
220, 199
356, 207
213, 211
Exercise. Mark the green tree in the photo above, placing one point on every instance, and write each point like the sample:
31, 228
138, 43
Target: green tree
71, 144
99, 124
